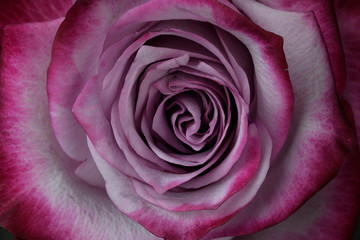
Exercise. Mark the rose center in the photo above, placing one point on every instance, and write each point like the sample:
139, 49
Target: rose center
190, 115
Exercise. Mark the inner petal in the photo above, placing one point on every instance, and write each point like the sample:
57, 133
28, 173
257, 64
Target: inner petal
214, 138
189, 123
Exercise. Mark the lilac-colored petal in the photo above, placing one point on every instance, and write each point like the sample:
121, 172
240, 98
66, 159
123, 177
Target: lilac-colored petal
347, 13
240, 60
331, 214
181, 225
129, 133
152, 174
89, 113
202, 33
324, 12
215, 97
319, 130
114, 80
75, 59
39, 191
182, 44
272, 80
88, 172
126, 104
23, 11
239, 175
185, 126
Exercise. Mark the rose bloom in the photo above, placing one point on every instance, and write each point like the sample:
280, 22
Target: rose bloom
180, 119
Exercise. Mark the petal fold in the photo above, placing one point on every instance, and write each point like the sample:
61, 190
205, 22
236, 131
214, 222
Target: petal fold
38, 190
331, 214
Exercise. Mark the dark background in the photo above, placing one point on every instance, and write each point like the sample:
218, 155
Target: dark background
5, 235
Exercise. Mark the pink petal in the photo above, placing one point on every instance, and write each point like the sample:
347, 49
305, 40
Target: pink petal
114, 79
239, 175
164, 180
75, 59
188, 225
320, 136
23, 11
88, 172
199, 32
177, 84
331, 214
275, 104
89, 113
40, 198
126, 105
128, 138
153, 72
325, 17
241, 61
347, 13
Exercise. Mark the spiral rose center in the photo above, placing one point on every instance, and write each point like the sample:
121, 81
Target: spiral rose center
190, 115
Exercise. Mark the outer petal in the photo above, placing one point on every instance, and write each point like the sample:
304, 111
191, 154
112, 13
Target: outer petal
325, 16
348, 13
306, 131
319, 137
40, 198
330, 214
76, 60
23, 11
189, 225
76, 52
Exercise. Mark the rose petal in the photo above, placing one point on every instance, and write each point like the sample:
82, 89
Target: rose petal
40, 198
18, 54
202, 33
215, 96
239, 175
130, 140
86, 110
348, 19
161, 180
115, 78
275, 104
240, 59
88, 172
180, 225
22, 11
318, 119
75, 59
152, 73
331, 214
325, 16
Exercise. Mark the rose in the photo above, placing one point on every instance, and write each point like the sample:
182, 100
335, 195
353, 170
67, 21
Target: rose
108, 111
7, 63
46, 170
